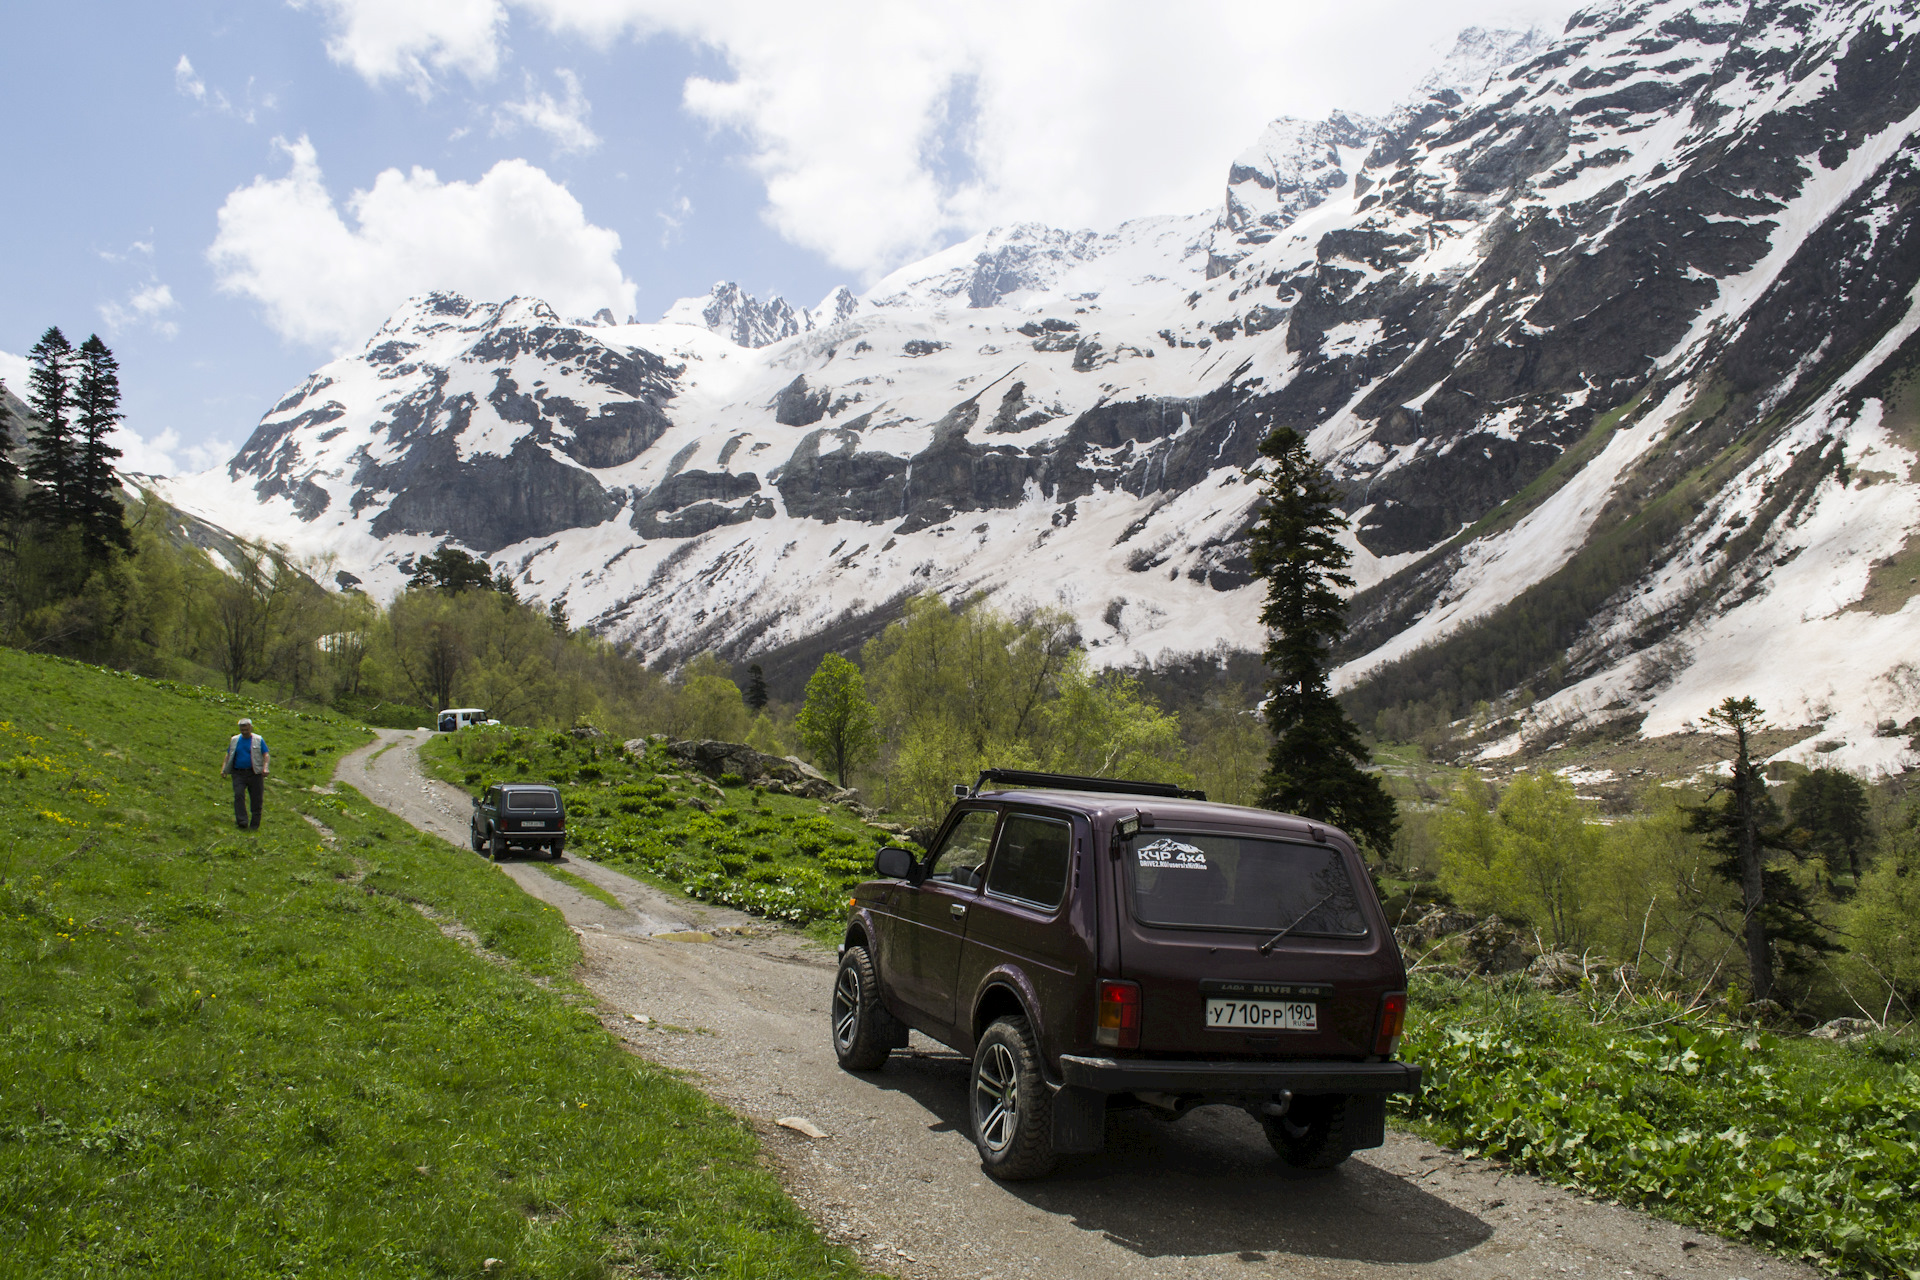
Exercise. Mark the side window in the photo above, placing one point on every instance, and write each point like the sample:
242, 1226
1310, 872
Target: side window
964, 849
1032, 860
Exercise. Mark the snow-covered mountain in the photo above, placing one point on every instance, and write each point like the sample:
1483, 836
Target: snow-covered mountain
1609, 337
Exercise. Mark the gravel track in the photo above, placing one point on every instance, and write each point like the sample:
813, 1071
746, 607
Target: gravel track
896, 1176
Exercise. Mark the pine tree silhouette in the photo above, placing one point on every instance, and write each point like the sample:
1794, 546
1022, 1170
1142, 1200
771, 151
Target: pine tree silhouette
96, 411
50, 460
756, 688
1314, 769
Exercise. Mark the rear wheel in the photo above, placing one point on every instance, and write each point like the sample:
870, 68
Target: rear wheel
1313, 1133
496, 846
1012, 1110
555, 849
864, 1032
473, 837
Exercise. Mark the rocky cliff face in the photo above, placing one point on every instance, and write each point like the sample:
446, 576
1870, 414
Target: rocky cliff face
1608, 337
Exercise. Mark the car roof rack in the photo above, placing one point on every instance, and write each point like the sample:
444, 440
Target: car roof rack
1075, 782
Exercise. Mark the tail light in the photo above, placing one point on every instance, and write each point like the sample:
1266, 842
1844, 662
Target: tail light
1393, 1017
1118, 1023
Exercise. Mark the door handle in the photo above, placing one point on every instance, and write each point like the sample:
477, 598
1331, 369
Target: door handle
957, 911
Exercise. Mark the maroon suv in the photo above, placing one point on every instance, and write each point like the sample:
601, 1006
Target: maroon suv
1096, 944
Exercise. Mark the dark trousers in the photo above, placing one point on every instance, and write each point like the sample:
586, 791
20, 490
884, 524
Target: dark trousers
248, 786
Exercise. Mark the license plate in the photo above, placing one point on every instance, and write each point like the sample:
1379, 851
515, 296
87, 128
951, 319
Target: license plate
1264, 1015
530, 825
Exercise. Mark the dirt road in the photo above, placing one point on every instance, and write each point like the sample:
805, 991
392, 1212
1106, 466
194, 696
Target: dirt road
897, 1177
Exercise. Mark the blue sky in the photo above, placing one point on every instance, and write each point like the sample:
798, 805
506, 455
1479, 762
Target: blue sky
231, 193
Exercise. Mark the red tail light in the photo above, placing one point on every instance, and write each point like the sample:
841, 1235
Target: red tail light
1119, 1019
1393, 1017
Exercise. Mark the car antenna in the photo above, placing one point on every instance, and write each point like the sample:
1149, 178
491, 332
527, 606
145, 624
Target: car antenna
1267, 946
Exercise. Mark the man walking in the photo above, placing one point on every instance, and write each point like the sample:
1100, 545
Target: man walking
246, 764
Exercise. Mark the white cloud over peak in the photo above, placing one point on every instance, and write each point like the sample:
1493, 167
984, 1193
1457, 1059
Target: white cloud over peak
414, 41
147, 304
284, 243
881, 131
13, 372
564, 121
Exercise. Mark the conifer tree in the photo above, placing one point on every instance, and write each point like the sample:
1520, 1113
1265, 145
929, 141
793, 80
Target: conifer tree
1745, 828
50, 460
9, 469
96, 411
756, 688
1314, 769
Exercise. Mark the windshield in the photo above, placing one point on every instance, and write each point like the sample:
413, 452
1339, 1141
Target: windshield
1236, 882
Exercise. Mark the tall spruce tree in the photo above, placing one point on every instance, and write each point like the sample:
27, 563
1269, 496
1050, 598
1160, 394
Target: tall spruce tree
756, 688
96, 411
51, 461
1745, 828
1314, 769
9, 470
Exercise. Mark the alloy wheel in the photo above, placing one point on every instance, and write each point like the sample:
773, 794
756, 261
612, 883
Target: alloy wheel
846, 1007
996, 1097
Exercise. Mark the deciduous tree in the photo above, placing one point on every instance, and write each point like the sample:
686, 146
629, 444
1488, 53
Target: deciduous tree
837, 723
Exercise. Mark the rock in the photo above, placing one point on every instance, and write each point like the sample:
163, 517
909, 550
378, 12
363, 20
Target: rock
1439, 922
1842, 1030
586, 731
1556, 971
800, 1124
1494, 949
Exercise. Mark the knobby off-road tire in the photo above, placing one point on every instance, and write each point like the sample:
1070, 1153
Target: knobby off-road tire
1313, 1133
864, 1033
1011, 1107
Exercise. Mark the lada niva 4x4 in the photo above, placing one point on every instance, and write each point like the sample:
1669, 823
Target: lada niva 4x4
1095, 944
528, 814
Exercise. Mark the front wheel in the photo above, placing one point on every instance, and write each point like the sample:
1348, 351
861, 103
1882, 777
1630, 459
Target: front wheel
1313, 1132
864, 1032
1012, 1110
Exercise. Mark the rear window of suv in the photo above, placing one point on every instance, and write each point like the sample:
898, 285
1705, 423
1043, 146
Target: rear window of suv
1237, 882
532, 800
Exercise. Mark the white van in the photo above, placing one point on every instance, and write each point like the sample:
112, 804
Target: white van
460, 717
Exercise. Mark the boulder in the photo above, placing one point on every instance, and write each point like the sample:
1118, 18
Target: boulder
1842, 1030
784, 774
1439, 922
1556, 971
1493, 948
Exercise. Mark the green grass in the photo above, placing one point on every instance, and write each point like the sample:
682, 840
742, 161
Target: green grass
1807, 1148
777, 856
252, 1054
587, 887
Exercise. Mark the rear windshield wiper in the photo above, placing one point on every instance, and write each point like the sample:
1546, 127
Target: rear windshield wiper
1268, 945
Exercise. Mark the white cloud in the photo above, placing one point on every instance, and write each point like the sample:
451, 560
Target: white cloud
414, 41
672, 218
163, 454
283, 243
147, 304
186, 83
880, 132
13, 372
565, 122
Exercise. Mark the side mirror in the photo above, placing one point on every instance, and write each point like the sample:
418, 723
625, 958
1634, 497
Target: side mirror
476, 802
893, 864
961, 791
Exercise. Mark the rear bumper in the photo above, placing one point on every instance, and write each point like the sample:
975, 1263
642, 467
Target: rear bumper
1126, 1075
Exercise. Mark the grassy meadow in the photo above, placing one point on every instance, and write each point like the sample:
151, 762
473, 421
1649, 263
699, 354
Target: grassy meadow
331, 1047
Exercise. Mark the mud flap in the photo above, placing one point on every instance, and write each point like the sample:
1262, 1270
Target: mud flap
1079, 1121
1366, 1120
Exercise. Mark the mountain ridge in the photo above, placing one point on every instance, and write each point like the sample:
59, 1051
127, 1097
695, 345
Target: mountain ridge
1609, 346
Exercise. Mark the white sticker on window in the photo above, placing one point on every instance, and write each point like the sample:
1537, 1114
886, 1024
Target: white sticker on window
1172, 853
